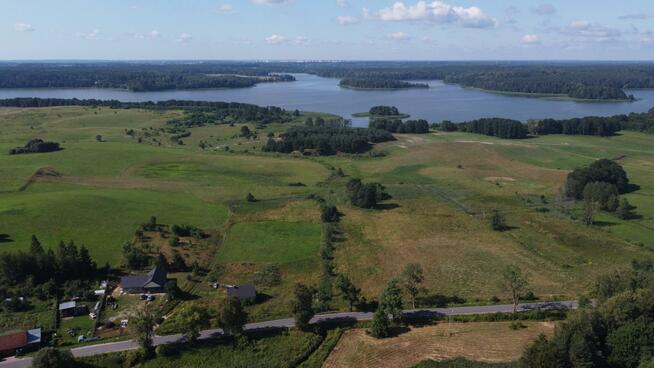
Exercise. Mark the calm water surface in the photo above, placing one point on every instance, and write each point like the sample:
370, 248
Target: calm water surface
312, 93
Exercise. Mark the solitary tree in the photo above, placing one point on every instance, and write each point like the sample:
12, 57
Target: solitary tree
53, 358
498, 221
381, 325
590, 209
192, 319
349, 292
412, 277
143, 323
390, 300
515, 283
302, 306
250, 198
232, 316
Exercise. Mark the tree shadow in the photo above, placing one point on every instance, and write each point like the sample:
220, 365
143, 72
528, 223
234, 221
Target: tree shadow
387, 206
604, 223
398, 330
6, 238
262, 298
631, 187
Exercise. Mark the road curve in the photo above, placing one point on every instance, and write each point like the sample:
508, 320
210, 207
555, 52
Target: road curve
340, 317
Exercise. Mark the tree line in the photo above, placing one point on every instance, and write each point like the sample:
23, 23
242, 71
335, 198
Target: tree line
419, 126
134, 77
496, 127
327, 140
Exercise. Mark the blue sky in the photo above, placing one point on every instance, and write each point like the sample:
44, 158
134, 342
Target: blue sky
327, 29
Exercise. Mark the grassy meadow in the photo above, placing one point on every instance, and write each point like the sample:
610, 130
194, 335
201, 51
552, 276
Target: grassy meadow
97, 192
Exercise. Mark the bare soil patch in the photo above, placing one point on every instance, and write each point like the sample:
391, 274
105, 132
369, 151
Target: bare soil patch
491, 342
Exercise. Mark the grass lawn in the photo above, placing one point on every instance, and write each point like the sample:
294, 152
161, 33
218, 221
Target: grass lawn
270, 242
272, 351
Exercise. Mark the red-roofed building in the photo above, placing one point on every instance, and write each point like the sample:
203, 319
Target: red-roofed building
9, 344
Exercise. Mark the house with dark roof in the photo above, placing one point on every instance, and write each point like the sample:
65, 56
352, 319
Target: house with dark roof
245, 293
151, 282
25, 340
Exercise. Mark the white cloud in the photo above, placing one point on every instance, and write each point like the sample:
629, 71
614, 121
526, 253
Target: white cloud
184, 38
93, 35
435, 12
23, 27
226, 9
544, 9
342, 3
302, 41
638, 16
276, 39
147, 36
270, 2
399, 36
595, 32
346, 20
530, 39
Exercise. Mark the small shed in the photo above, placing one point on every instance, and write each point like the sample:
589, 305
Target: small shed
245, 293
71, 309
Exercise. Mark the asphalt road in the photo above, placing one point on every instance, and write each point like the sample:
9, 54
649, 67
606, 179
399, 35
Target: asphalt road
342, 317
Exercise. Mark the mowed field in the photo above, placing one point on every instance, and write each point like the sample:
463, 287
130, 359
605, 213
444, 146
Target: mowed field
489, 342
443, 186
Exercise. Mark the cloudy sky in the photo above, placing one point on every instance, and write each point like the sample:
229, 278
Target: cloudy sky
327, 29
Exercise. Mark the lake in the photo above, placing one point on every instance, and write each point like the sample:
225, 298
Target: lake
312, 93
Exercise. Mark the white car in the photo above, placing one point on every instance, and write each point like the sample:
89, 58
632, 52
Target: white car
93, 315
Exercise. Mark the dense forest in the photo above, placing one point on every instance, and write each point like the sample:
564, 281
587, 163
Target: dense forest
596, 81
364, 83
327, 140
45, 273
419, 126
590, 80
134, 77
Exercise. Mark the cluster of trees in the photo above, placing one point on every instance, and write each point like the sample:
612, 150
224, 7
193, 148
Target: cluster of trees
365, 195
617, 333
496, 127
36, 146
45, 273
367, 83
419, 126
188, 230
382, 110
327, 140
599, 185
591, 125
135, 77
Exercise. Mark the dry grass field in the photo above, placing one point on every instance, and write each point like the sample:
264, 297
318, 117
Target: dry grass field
492, 342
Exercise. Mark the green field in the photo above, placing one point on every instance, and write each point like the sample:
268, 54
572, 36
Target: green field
443, 186
271, 241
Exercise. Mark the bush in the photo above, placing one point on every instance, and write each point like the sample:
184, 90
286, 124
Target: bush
329, 214
166, 350
270, 275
